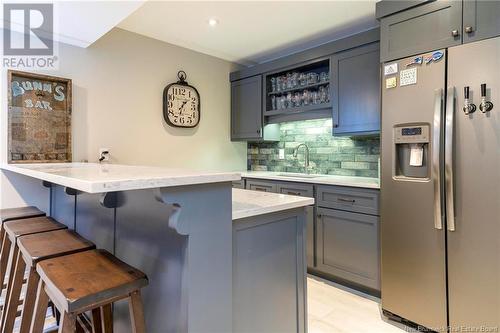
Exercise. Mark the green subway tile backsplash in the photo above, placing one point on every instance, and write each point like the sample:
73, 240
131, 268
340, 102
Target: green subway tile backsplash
346, 156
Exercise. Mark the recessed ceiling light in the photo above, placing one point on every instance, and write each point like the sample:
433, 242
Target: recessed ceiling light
213, 22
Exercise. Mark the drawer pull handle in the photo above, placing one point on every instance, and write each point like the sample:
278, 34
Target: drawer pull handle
260, 189
346, 200
292, 193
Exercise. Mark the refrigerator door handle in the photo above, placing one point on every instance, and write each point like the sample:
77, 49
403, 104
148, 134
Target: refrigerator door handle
436, 152
448, 159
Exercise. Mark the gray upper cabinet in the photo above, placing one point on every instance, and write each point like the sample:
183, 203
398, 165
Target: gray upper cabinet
246, 109
428, 27
356, 91
481, 20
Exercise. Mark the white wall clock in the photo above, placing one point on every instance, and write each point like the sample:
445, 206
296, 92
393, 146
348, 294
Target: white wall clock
181, 103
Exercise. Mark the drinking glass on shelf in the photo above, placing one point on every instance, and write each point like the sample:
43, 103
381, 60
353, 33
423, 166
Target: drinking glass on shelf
297, 99
327, 91
323, 94
315, 97
289, 81
302, 79
273, 84
306, 97
283, 102
289, 102
278, 83
294, 80
323, 76
273, 102
312, 78
283, 82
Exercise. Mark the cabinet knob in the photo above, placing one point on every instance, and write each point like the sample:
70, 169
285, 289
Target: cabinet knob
455, 33
319, 216
258, 131
469, 29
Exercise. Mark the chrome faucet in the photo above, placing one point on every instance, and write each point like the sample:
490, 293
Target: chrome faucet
306, 156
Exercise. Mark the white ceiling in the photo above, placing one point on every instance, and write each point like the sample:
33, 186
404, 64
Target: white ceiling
81, 23
251, 32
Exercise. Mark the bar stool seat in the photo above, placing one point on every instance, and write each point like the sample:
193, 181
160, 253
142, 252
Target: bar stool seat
87, 281
35, 248
10, 214
13, 230
34, 225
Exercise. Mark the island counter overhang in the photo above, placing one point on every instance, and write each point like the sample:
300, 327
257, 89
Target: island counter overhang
155, 219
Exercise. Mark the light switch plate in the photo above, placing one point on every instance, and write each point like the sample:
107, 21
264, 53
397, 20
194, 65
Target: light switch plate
282, 154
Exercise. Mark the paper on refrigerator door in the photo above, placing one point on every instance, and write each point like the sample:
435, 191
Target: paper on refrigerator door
416, 155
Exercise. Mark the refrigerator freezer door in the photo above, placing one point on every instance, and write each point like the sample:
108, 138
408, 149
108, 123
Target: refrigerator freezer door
474, 246
413, 269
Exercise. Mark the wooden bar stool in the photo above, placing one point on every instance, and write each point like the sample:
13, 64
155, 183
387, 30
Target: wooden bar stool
88, 281
11, 214
14, 230
33, 249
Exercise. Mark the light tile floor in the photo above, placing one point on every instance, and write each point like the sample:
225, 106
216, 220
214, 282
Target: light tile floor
336, 309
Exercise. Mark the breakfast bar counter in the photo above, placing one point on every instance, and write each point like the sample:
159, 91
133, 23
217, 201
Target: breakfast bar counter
197, 241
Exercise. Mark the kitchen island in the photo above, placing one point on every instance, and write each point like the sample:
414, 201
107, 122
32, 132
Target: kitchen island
177, 226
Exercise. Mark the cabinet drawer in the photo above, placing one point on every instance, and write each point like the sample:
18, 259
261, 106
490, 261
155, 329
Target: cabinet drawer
239, 183
425, 28
257, 185
348, 246
354, 200
303, 190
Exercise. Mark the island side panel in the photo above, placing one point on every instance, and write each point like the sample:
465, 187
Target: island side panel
269, 273
189, 264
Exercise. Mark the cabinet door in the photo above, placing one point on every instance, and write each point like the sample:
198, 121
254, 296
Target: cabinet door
356, 91
303, 190
481, 20
348, 246
428, 27
246, 108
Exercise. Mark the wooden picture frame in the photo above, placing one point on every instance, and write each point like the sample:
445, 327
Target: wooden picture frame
39, 118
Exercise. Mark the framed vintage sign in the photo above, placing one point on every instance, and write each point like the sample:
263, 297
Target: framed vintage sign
39, 119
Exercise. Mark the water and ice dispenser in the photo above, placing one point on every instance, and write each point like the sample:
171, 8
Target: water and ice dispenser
412, 157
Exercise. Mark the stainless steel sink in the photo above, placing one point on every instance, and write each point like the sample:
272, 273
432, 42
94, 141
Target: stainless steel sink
298, 175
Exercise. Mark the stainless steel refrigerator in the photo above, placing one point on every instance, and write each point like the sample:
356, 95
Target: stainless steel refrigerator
440, 188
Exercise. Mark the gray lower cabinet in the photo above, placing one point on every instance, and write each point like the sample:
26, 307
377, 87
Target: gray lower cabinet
348, 246
263, 186
481, 19
428, 27
246, 109
342, 230
356, 92
269, 270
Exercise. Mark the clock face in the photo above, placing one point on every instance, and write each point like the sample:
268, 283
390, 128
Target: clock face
182, 106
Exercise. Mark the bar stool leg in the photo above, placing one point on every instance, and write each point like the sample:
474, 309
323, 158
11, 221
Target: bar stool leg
4, 256
14, 291
107, 318
29, 301
68, 323
41, 304
136, 312
96, 321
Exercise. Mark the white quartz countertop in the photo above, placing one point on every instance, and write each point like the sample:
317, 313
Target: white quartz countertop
364, 182
100, 178
248, 203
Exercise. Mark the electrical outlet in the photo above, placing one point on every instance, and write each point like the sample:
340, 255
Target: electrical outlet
106, 156
282, 154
